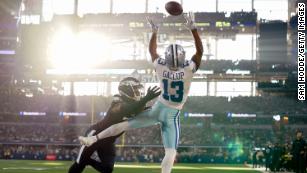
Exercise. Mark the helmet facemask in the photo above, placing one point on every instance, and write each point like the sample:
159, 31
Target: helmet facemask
131, 89
174, 56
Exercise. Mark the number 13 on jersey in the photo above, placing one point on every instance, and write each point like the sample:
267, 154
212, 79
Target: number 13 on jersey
175, 85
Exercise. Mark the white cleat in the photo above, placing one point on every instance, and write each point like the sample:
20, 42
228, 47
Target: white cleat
87, 141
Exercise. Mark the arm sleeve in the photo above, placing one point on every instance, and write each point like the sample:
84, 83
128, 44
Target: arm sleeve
129, 109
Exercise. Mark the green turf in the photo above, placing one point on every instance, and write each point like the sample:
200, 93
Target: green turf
27, 166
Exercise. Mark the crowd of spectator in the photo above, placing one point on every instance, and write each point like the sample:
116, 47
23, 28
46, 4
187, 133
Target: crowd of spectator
268, 105
39, 133
191, 134
220, 138
225, 145
127, 154
53, 104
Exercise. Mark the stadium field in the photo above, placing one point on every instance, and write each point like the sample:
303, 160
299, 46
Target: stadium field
29, 166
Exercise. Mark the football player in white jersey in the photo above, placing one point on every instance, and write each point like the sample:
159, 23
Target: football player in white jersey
175, 75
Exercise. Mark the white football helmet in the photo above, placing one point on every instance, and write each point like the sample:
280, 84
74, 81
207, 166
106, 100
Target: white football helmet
174, 56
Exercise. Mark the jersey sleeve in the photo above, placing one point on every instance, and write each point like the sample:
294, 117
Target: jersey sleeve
159, 62
155, 63
190, 66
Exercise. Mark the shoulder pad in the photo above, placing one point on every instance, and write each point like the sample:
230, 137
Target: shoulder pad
161, 61
117, 99
186, 63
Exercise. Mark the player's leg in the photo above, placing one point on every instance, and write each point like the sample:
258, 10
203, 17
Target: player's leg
82, 160
170, 128
111, 131
168, 160
144, 119
76, 168
97, 165
107, 156
84, 157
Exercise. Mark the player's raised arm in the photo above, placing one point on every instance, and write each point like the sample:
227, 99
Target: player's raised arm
153, 40
123, 126
138, 106
190, 23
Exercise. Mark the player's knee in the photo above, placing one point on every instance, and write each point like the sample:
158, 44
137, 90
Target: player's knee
76, 168
170, 152
169, 158
108, 168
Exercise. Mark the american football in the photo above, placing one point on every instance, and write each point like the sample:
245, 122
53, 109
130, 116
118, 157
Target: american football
173, 8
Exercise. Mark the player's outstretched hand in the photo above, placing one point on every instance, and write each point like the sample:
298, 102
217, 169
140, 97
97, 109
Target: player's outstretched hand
87, 141
154, 27
152, 93
190, 21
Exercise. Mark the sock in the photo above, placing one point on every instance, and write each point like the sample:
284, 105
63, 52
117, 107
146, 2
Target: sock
168, 160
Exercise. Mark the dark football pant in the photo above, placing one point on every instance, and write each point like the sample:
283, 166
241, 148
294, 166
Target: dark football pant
106, 153
78, 168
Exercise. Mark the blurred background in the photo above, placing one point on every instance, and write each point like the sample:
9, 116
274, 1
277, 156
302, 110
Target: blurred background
61, 62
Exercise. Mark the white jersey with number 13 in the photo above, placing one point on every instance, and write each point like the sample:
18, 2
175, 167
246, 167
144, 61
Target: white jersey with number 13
175, 85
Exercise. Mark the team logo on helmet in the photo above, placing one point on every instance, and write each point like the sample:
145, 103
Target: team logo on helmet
130, 88
174, 56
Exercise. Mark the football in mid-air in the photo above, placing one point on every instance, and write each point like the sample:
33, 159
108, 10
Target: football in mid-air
173, 8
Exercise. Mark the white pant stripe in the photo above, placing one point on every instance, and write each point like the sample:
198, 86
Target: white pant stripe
83, 146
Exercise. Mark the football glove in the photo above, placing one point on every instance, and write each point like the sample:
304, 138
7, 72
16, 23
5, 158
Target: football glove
190, 21
152, 93
154, 27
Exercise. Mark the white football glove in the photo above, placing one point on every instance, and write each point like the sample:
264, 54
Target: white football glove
154, 27
87, 141
190, 21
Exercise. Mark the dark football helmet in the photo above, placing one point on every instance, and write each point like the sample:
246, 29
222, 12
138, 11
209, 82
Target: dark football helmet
130, 88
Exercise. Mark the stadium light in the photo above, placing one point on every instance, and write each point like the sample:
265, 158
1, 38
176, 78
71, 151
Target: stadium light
71, 51
276, 117
93, 48
61, 48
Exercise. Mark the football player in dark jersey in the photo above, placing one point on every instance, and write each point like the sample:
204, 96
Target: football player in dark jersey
125, 105
299, 149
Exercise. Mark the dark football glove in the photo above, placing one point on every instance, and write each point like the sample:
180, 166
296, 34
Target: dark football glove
152, 93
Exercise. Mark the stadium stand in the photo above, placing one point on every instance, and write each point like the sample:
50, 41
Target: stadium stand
223, 139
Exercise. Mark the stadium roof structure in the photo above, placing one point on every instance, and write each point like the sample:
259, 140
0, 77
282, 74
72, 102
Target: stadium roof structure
128, 23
